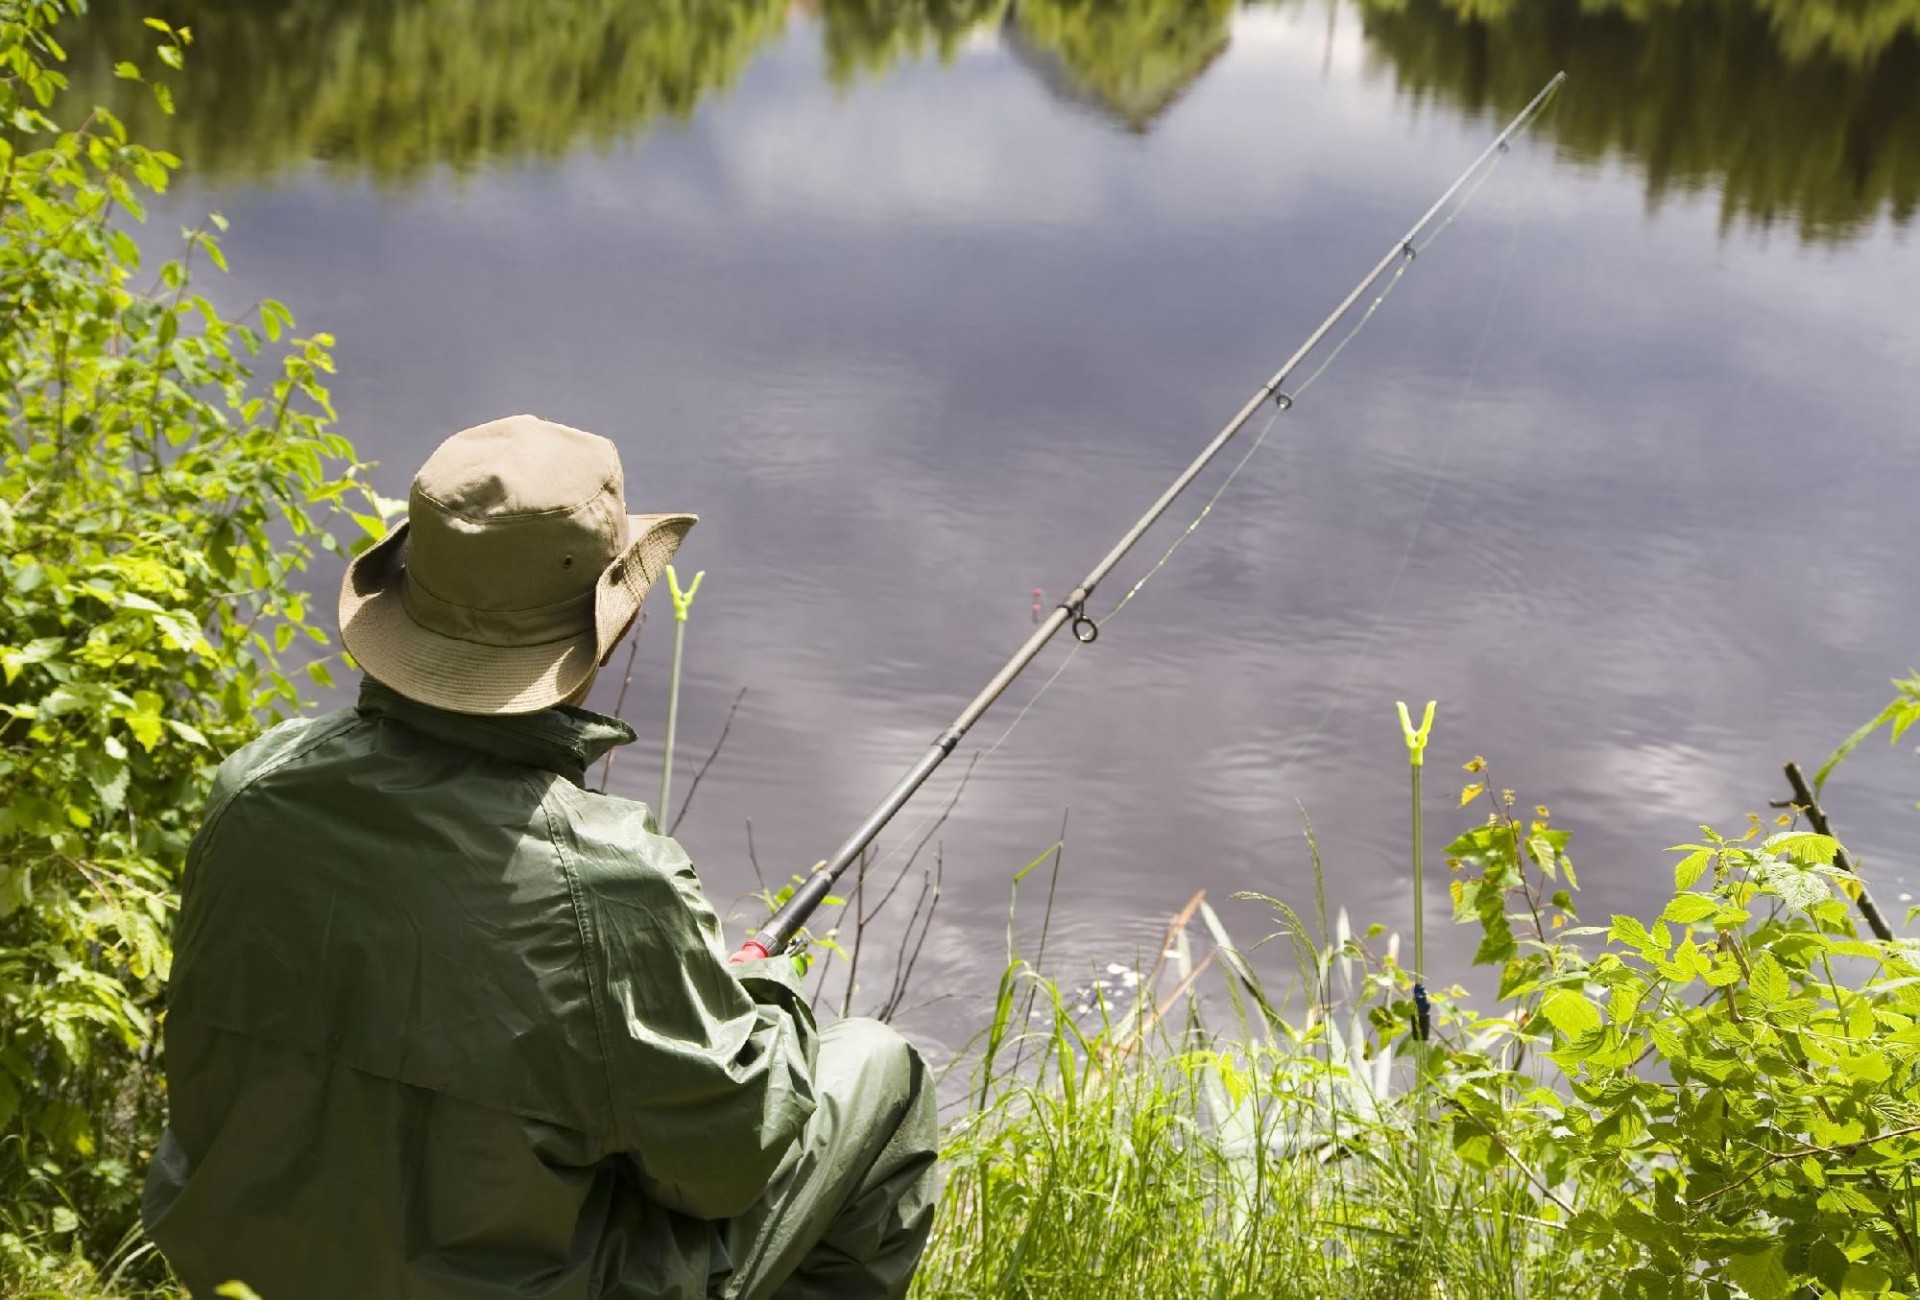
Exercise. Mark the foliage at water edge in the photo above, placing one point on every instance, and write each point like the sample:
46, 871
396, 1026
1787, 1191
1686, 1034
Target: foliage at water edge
1798, 113
165, 474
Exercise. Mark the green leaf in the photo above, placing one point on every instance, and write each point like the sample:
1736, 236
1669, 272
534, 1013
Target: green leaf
1897, 717
1796, 886
1723, 972
1570, 1013
1868, 1067
1689, 869
144, 720
1629, 930
1025, 871
110, 781
1865, 1279
189, 733
1688, 908
1692, 958
274, 318
1806, 848
1762, 1275
1769, 983
38, 651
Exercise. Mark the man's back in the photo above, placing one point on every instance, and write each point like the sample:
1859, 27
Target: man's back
444, 1023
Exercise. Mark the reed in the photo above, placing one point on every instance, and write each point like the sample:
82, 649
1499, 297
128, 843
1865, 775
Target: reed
1222, 1140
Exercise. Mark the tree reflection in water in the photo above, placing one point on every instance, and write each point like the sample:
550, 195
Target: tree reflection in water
1795, 111
396, 88
1805, 111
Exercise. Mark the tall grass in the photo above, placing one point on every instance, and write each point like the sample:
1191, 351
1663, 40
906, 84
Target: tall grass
1158, 1153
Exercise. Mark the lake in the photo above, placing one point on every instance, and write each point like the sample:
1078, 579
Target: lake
919, 305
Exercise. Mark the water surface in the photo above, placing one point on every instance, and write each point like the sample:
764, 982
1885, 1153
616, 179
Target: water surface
918, 305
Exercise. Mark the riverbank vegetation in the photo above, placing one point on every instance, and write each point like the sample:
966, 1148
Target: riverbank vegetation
1798, 113
1721, 1099
168, 473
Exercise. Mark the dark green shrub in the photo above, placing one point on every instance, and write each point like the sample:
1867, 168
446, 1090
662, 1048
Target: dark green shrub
158, 503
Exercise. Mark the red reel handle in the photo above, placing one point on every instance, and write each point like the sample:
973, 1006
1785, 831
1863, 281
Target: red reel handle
751, 950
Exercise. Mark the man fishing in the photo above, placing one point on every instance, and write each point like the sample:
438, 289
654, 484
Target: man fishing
444, 1023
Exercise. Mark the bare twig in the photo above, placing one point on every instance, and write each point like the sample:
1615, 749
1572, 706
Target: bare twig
860, 919
932, 830
1800, 1153
1805, 800
620, 701
903, 970
1518, 1163
862, 915
753, 859
712, 754
1157, 1012
1149, 983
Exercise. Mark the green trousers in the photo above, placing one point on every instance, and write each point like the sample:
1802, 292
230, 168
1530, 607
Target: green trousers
847, 1215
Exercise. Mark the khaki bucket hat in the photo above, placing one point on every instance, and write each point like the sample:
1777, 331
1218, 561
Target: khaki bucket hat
514, 575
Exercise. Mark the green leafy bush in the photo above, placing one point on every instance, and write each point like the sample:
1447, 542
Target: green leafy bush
158, 503
1743, 1068
1720, 1101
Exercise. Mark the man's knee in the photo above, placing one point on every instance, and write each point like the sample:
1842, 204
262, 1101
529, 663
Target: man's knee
873, 1061
884, 1092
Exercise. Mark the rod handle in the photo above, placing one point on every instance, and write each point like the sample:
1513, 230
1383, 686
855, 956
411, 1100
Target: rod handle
751, 950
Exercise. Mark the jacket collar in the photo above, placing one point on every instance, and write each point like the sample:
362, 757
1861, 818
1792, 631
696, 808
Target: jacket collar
563, 739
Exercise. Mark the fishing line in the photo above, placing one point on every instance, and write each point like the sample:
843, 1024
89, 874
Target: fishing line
1448, 441
1399, 272
983, 755
811, 891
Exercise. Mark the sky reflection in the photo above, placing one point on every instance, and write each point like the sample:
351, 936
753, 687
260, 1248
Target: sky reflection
1625, 488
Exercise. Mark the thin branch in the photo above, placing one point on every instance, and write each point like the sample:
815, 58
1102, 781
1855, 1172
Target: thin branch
753, 860
687, 801
620, 702
1844, 1148
1518, 1163
860, 919
903, 973
932, 830
1805, 799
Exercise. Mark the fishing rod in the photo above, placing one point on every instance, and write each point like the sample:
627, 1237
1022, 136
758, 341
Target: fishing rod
786, 922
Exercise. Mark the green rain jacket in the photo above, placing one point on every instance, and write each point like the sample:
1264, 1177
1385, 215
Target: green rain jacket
405, 930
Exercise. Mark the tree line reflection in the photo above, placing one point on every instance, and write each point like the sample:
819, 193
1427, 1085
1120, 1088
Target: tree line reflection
1796, 111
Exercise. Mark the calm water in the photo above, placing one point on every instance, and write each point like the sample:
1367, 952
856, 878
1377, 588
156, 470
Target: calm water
918, 306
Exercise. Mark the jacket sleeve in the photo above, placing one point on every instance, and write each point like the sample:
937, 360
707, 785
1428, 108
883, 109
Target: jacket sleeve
709, 1066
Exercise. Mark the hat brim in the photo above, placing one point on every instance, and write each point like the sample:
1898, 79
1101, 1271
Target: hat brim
472, 677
